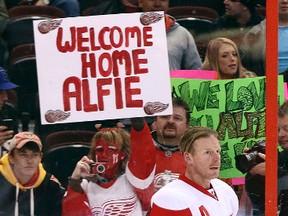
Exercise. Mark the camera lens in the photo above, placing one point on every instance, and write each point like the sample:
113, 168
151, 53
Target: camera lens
242, 163
251, 157
100, 168
246, 161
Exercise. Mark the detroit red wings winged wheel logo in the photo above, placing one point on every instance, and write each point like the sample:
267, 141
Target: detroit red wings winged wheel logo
52, 116
151, 108
48, 25
150, 17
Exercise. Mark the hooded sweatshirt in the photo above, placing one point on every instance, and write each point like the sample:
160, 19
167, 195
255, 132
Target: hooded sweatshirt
43, 197
182, 50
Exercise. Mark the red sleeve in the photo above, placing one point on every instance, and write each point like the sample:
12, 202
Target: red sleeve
145, 196
142, 158
141, 165
75, 204
157, 210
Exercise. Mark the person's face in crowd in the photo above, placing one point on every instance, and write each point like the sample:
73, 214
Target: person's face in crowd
203, 163
154, 5
171, 126
109, 155
283, 132
25, 163
227, 61
3, 98
233, 7
283, 9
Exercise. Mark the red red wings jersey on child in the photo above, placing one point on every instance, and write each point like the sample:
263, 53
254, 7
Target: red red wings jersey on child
186, 198
129, 195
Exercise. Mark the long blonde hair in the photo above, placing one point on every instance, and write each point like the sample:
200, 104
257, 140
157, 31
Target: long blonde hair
212, 54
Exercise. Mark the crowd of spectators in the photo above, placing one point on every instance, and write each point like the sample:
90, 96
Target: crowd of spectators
235, 49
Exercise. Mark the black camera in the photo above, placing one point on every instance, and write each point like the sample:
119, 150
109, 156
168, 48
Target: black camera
97, 168
246, 161
8, 123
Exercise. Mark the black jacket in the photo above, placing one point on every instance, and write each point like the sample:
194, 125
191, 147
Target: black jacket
47, 194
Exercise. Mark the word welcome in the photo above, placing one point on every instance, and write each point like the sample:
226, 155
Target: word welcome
105, 60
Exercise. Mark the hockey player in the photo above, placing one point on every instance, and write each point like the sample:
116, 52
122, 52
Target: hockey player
198, 191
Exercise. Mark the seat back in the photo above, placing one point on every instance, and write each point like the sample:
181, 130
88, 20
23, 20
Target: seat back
28, 11
100, 7
193, 11
201, 30
19, 29
22, 53
23, 72
19, 32
61, 161
60, 138
63, 149
19, 36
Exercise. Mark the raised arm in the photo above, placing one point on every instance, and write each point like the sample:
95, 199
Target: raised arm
141, 165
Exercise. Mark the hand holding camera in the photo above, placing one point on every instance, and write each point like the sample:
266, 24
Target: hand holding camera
8, 123
97, 168
82, 169
87, 168
259, 169
6, 131
252, 157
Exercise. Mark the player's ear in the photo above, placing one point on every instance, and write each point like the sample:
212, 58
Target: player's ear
187, 157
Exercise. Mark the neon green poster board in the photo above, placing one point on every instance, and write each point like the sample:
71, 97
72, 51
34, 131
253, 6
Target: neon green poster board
235, 108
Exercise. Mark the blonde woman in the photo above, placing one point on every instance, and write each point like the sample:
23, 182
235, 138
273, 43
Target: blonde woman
222, 56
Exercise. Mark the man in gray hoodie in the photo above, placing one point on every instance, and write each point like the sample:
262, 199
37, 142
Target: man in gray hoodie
182, 50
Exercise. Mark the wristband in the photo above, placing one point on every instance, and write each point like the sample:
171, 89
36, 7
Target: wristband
75, 184
74, 180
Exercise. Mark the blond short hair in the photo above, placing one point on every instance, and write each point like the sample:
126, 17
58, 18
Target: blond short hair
192, 134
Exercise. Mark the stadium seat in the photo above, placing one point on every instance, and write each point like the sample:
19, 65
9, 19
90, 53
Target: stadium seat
32, 11
63, 149
201, 30
19, 29
194, 12
22, 71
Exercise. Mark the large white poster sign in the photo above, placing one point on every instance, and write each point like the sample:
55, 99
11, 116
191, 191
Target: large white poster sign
102, 67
